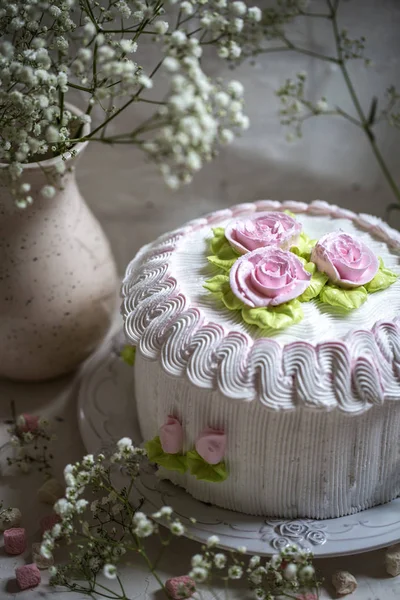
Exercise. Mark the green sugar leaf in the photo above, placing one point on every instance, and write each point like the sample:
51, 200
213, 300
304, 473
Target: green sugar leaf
382, 280
304, 246
203, 470
317, 282
225, 265
219, 286
220, 246
172, 462
348, 299
128, 354
276, 317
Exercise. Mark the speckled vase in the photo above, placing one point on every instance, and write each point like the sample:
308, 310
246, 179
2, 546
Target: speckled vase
58, 282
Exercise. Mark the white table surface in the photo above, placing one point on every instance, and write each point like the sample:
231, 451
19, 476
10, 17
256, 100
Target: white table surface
332, 162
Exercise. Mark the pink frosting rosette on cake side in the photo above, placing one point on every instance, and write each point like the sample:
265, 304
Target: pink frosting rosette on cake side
268, 277
171, 436
211, 445
262, 230
345, 259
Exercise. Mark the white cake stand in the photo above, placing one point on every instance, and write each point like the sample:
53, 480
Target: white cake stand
106, 413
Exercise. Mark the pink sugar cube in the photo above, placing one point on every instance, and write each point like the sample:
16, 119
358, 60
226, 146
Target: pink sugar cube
28, 422
28, 576
47, 522
180, 587
15, 540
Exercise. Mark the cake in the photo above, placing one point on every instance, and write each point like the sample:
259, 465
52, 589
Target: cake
267, 370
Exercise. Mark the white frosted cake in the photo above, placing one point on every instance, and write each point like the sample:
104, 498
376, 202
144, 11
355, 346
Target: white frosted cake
267, 370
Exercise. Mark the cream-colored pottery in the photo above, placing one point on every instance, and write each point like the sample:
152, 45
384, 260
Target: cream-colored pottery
57, 277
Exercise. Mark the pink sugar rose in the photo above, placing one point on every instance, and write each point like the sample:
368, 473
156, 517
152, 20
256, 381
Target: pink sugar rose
211, 445
171, 436
262, 230
268, 277
345, 259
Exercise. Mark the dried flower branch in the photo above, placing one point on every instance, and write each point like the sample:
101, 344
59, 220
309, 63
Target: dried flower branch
296, 108
50, 48
30, 439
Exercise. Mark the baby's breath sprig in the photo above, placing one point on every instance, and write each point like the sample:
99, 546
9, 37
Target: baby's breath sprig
103, 521
50, 48
31, 438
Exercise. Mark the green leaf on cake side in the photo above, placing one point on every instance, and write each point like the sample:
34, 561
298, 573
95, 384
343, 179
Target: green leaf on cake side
382, 280
172, 462
128, 354
347, 299
203, 470
219, 286
275, 317
317, 282
304, 246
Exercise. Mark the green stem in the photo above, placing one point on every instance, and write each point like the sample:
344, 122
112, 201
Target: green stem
142, 553
292, 48
124, 106
79, 87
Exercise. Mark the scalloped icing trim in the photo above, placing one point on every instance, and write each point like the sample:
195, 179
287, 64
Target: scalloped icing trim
352, 375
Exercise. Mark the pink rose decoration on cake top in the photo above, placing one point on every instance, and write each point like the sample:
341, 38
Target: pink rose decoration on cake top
262, 230
345, 259
171, 436
211, 445
268, 277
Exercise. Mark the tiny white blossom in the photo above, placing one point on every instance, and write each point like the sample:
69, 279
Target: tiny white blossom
177, 528
145, 81
81, 505
110, 571
236, 89
187, 8
290, 572
197, 560
254, 14
322, 105
166, 511
307, 572
124, 444
242, 549
48, 191
161, 27
235, 572
171, 64
199, 574
220, 560
212, 541
254, 562
239, 8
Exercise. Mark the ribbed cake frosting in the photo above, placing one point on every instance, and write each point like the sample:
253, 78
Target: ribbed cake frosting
310, 412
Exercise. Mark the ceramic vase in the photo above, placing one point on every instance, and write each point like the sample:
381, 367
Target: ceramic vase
58, 282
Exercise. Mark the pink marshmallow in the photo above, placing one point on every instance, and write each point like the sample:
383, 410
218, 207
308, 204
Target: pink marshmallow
28, 576
15, 540
180, 587
28, 422
47, 522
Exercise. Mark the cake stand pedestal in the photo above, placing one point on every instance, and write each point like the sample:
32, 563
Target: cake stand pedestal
106, 413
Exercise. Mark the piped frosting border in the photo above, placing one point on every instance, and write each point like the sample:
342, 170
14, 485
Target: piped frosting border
352, 375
